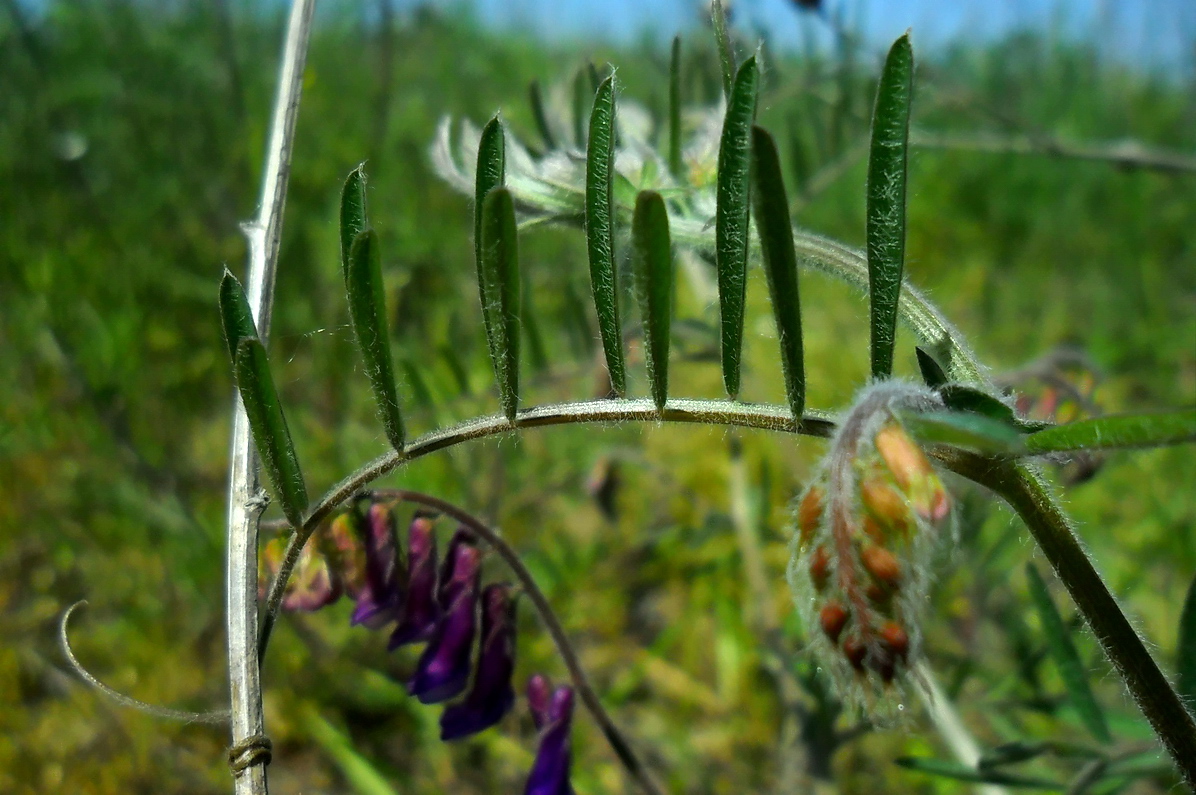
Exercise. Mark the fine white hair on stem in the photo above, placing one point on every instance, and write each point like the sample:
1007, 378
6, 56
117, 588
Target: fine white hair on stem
244, 502
218, 717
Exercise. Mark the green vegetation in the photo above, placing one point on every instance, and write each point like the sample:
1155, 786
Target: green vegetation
130, 143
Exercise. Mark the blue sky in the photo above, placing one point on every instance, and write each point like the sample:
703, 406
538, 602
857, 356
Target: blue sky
1149, 33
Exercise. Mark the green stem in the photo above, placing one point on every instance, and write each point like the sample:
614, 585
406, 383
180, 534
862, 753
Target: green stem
1025, 492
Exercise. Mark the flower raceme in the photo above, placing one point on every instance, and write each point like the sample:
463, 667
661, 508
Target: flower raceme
437, 602
865, 529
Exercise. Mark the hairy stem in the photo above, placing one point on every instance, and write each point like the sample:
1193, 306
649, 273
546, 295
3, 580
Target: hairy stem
1025, 492
618, 742
250, 750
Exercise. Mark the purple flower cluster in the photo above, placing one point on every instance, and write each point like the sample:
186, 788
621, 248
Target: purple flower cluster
436, 602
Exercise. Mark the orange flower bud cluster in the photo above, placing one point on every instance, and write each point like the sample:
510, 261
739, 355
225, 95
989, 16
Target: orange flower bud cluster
864, 532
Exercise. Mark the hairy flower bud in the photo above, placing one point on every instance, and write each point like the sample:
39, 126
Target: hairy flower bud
311, 586
865, 529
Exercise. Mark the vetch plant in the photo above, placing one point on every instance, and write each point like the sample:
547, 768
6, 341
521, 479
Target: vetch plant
865, 527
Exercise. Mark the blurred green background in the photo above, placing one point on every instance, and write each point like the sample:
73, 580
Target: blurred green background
131, 138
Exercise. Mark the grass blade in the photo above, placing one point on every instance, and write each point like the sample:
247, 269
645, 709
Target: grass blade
722, 41
537, 102
235, 315
780, 262
652, 264
367, 312
958, 772
269, 427
1186, 666
886, 201
353, 214
499, 277
675, 164
1105, 433
1061, 648
732, 217
600, 234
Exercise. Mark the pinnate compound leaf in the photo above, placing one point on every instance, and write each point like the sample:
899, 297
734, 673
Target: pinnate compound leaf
958, 772
600, 235
732, 215
235, 315
1106, 433
367, 312
780, 262
269, 428
652, 266
932, 373
885, 229
1063, 651
354, 217
963, 429
1186, 680
499, 277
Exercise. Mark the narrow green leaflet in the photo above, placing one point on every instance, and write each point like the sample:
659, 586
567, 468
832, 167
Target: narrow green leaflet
885, 228
675, 164
1186, 667
1105, 433
499, 277
582, 92
652, 264
269, 428
780, 262
491, 172
722, 41
367, 312
963, 429
958, 772
235, 315
353, 214
1063, 651
537, 103
359, 773
966, 398
1010, 754
732, 216
536, 353
932, 373
600, 235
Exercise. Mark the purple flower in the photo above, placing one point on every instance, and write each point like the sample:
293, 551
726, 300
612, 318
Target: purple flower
420, 611
345, 554
446, 587
539, 694
443, 669
554, 757
491, 696
379, 601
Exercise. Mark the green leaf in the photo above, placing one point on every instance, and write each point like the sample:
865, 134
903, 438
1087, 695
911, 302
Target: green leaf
1011, 753
269, 428
1106, 433
1186, 666
359, 773
722, 41
652, 265
600, 235
780, 262
1063, 651
958, 772
354, 218
582, 94
731, 217
966, 398
932, 373
962, 429
675, 165
491, 172
886, 201
499, 277
367, 312
537, 103
235, 315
